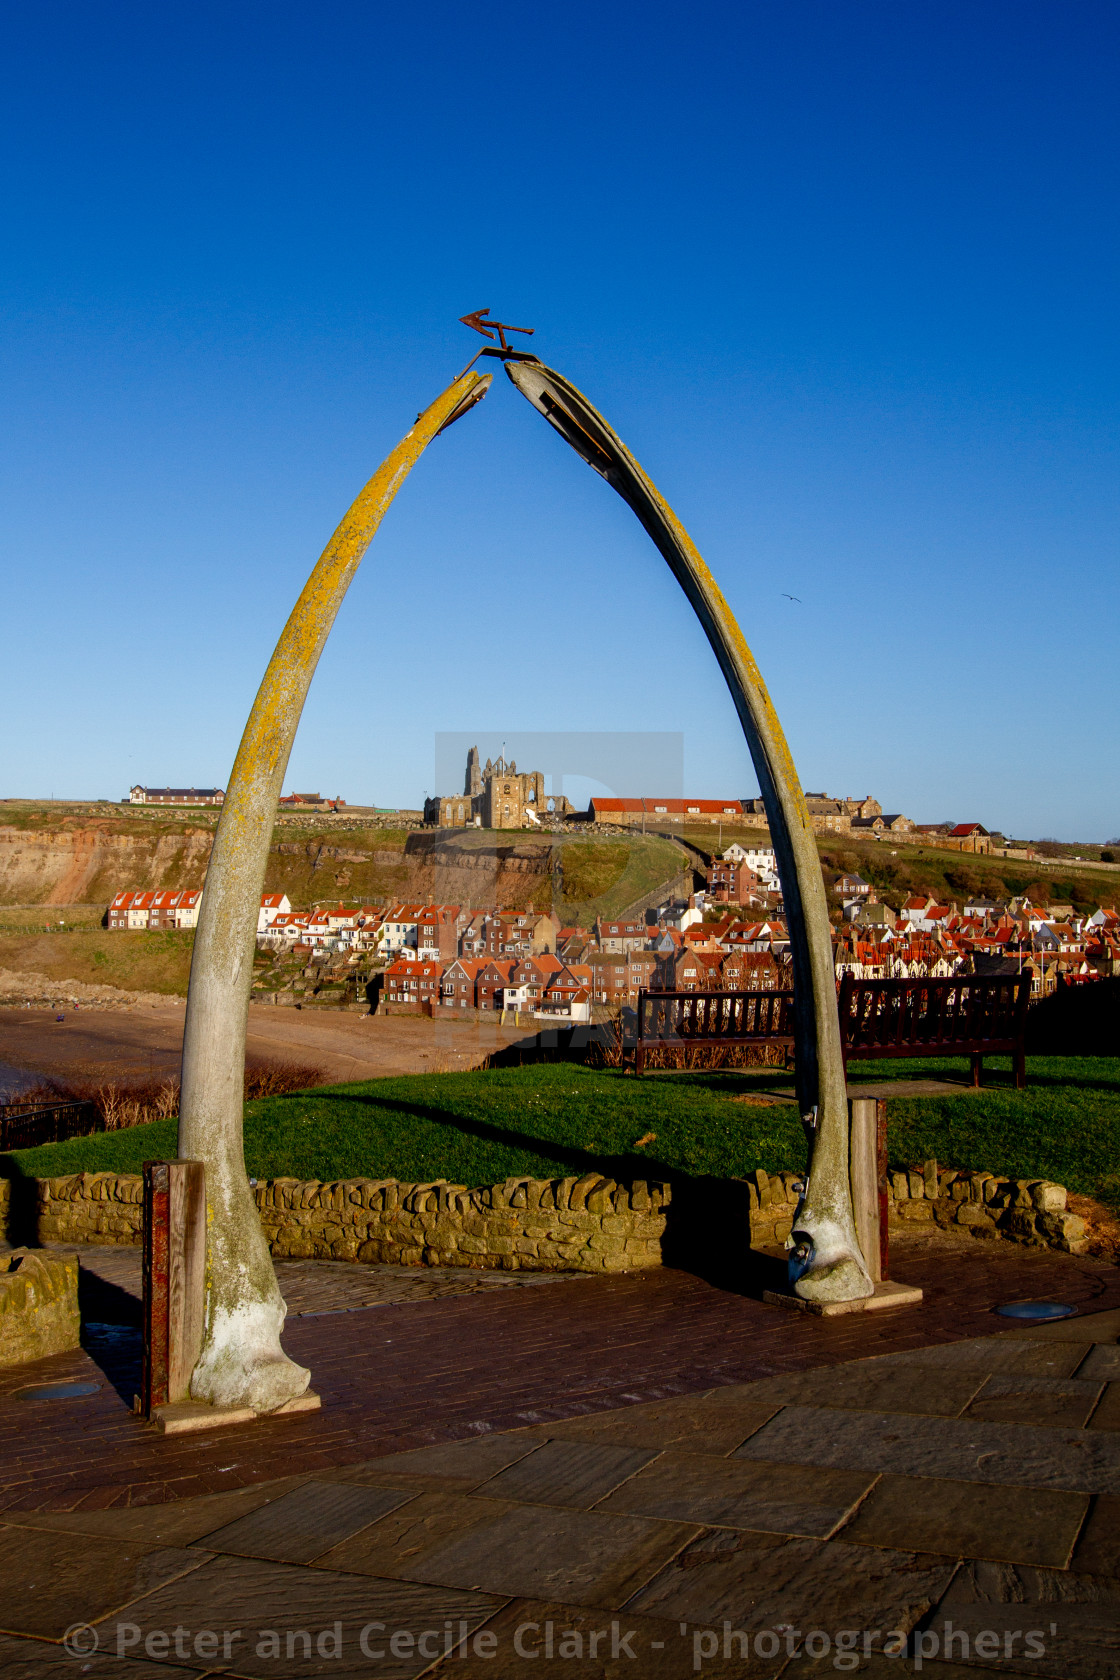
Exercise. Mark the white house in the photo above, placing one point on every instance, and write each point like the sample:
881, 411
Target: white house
399, 928
272, 905
285, 929
680, 916
762, 859
187, 907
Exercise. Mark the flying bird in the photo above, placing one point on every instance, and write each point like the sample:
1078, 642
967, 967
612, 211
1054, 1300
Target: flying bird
796, 598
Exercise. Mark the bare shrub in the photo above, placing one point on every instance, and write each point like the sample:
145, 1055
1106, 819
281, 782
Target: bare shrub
124, 1103
276, 1079
608, 1051
711, 1058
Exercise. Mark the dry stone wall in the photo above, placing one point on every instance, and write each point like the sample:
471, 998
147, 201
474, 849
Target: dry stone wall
38, 1305
587, 1224
1023, 1210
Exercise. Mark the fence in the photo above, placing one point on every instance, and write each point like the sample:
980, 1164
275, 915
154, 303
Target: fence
26, 1125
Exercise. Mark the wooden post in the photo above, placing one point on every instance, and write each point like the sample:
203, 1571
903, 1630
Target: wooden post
174, 1279
884, 1189
157, 1222
864, 1170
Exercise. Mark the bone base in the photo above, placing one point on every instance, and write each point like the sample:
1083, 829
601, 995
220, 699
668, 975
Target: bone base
886, 1295
188, 1416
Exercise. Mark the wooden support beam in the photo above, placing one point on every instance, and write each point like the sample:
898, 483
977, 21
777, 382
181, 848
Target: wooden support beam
864, 1169
174, 1279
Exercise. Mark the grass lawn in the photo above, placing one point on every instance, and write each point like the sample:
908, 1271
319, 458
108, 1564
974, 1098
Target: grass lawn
556, 1119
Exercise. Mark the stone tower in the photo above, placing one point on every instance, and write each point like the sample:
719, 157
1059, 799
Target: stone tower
473, 784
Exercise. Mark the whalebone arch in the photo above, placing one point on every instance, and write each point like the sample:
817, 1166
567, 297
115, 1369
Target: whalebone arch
242, 1361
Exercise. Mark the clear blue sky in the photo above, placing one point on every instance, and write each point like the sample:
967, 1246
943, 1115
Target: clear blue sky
842, 275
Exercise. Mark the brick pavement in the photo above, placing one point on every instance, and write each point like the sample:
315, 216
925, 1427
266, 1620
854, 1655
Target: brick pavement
397, 1377
308, 1286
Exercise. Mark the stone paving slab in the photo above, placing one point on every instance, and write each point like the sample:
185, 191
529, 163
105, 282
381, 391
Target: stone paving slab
963, 1449
30, 1659
1107, 1414
304, 1523
49, 1581
176, 1524
1007, 1397
879, 1385
997, 1353
764, 1581
1102, 1364
1098, 1549
878, 1667
576, 1474
255, 1598
1075, 1618
1008, 1524
453, 1467
526, 1551
785, 1498
716, 1422
588, 1645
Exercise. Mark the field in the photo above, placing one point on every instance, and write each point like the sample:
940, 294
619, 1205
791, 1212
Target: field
137, 962
551, 1120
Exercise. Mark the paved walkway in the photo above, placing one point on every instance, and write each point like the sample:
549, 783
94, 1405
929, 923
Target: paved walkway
112, 1282
639, 1475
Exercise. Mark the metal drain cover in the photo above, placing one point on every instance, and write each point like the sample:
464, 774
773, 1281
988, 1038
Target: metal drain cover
1036, 1311
59, 1391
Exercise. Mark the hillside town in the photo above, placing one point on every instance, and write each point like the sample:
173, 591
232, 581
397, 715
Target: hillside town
496, 795
499, 796
730, 935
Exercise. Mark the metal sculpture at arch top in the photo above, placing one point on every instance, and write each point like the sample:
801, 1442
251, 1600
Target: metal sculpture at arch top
242, 1362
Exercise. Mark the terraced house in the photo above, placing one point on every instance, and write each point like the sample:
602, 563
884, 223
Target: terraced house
411, 982
459, 985
617, 980
154, 910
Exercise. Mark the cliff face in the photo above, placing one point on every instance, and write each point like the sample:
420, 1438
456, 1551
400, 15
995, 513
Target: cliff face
430, 869
87, 859
86, 863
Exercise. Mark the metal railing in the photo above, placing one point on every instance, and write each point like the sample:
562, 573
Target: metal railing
27, 1125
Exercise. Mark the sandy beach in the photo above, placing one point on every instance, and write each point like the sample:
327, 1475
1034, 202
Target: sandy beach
139, 1043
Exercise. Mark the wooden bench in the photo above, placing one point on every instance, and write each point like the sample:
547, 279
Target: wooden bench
972, 1015
969, 1015
676, 1020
